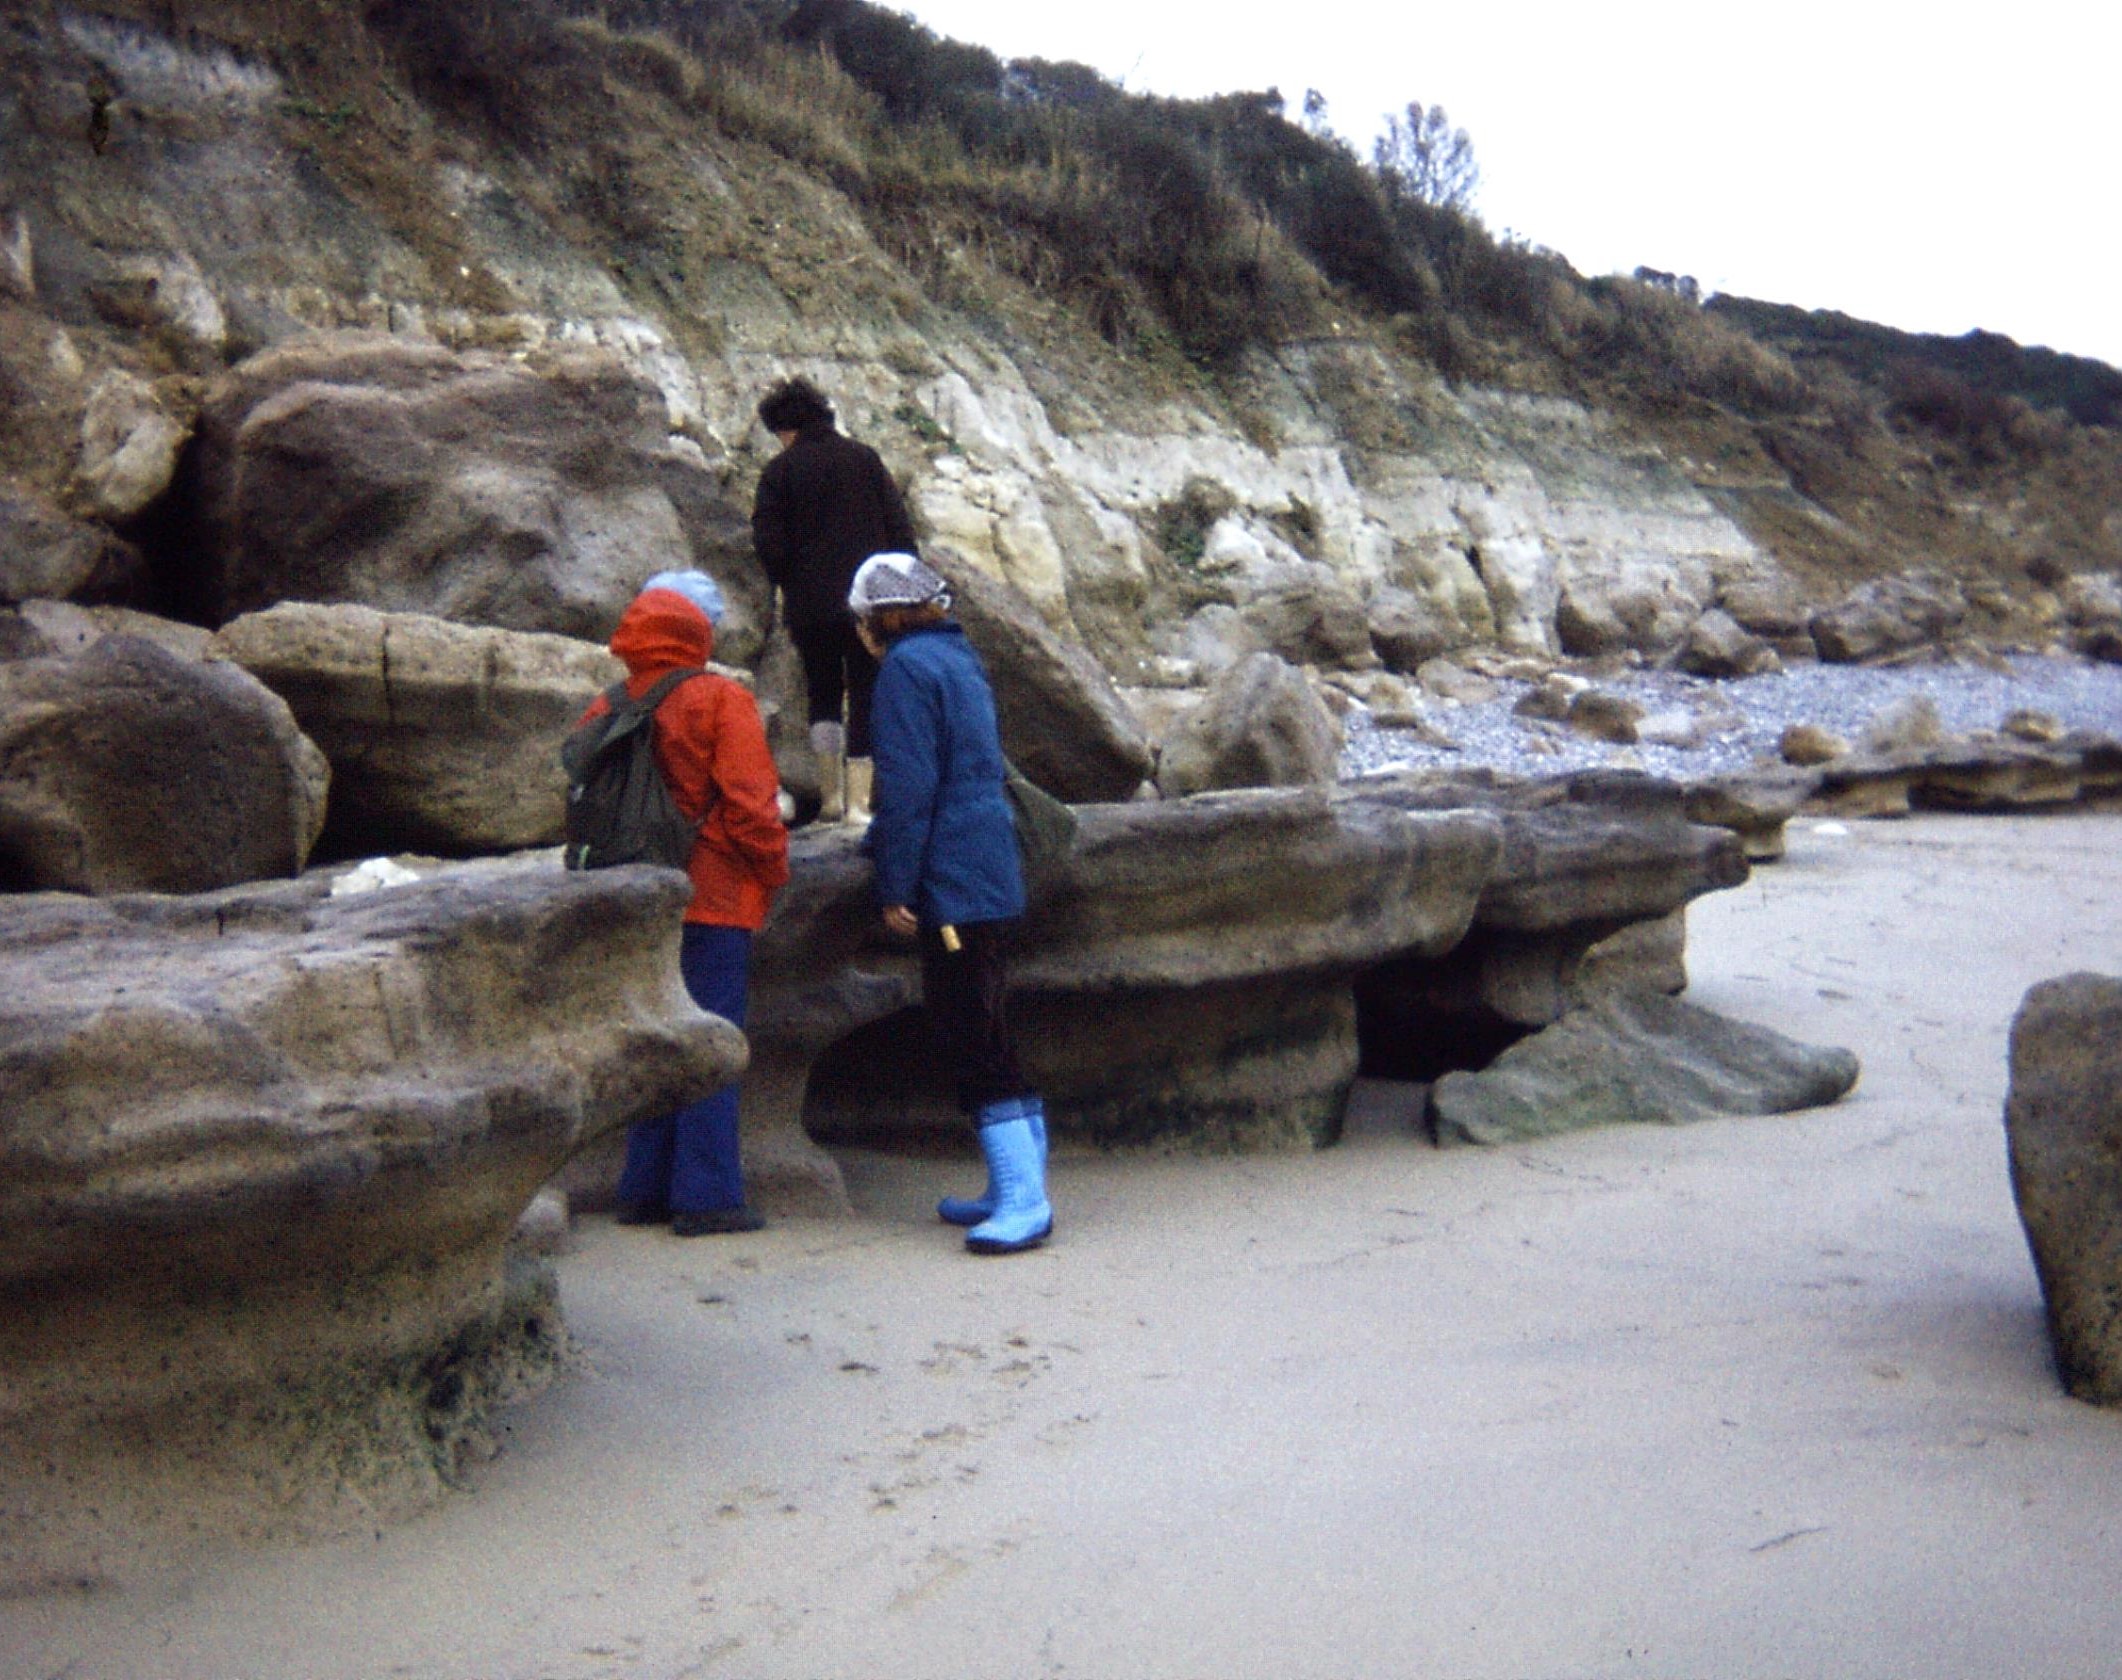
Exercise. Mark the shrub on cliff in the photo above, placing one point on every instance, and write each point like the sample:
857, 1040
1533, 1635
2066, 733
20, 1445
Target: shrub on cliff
506, 65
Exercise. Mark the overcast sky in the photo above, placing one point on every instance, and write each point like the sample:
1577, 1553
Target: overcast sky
1934, 167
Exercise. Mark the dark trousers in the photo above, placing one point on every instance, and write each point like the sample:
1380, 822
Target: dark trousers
966, 994
688, 1160
837, 668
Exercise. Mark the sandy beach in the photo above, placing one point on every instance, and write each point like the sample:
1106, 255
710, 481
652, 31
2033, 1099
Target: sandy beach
1762, 1397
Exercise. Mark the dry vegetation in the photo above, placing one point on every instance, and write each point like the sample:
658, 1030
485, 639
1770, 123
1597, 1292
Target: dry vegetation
1188, 235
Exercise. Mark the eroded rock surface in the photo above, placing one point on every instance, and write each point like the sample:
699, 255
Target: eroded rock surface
442, 737
260, 1155
1063, 722
1636, 1058
1583, 859
1184, 979
128, 768
2063, 1121
1259, 725
532, 494
1190, 976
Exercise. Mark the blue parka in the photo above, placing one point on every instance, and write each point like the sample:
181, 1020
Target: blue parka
940, 831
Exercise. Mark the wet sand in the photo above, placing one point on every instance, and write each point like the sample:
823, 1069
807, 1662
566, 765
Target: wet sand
1763, 1397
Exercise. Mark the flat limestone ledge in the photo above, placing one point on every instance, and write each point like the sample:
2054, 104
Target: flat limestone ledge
1985, 772
262, 1151
1184, 979
1187, 978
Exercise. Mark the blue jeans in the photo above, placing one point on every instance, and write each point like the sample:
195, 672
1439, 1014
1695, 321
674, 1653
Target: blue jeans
687, 1161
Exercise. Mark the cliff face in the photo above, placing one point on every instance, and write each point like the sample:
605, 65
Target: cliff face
173, 201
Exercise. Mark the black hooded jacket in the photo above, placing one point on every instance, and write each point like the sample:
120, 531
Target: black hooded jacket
825, 504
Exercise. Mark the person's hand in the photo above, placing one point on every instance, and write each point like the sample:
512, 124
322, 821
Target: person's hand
901, 920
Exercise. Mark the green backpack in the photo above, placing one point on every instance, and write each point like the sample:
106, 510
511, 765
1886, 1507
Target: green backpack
1046, 828
619, 807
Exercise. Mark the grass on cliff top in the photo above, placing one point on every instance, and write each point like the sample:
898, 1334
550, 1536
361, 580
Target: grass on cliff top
1189, 236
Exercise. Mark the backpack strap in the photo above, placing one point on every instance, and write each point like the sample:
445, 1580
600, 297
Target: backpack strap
616, 696
651, 702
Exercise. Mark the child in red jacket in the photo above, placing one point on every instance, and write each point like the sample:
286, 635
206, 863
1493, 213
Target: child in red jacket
711, 747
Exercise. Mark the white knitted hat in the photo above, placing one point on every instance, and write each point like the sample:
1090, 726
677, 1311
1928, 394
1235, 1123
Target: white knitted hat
896, 580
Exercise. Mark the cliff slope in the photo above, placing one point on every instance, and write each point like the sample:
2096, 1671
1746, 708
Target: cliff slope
1173, 470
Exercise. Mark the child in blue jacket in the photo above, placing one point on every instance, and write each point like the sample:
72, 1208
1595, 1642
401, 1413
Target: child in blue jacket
945, 849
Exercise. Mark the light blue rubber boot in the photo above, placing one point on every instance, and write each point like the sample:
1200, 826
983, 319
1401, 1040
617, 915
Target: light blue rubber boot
958, 1210
1016, 1167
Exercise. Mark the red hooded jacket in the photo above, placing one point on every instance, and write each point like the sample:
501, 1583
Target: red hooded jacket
709, 742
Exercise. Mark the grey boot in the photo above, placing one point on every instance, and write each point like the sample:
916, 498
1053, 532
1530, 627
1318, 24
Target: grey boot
828, 743
861, 776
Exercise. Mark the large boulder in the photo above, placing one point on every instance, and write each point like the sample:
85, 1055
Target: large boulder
1261, 724
1310, 617
2063, 1122
1628, 602
1063, 722
1764, 600
442, 737
47, 555
532, 494
1718, 645
128, 768
1888, 616
261, 1152
1636, 1057
129, 448
1407, 630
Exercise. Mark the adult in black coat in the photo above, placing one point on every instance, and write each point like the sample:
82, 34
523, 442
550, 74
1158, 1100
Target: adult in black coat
825, 504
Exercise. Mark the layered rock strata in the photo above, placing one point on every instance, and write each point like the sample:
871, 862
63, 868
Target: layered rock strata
442, 737
1584, 858
1210, 972
1184, 979
1983, 772
261, 1152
